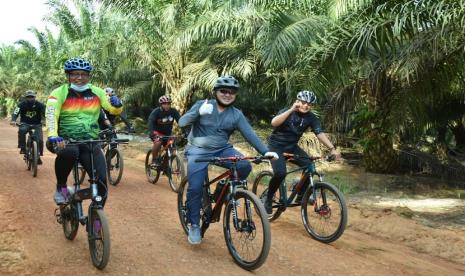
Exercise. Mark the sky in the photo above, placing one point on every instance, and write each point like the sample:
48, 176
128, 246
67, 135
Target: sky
16, 16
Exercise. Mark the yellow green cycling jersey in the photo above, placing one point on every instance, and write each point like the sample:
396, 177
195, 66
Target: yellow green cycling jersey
72, 114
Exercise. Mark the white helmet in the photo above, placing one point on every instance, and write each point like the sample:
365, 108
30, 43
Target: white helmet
109, 90
306, 96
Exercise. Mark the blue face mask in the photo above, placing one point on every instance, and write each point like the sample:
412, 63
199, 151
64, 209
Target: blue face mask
80, 88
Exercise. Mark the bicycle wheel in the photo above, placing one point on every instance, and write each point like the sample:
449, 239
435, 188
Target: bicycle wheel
182, 208
260, 188
153, 173
249, 241
70, 221
324, 214
115, 166
175, 172
33, 158
99, 238
27, 155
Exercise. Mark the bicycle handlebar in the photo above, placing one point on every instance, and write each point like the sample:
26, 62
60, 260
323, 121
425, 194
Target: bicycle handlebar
91, 141
30, 125
328, 158
255, 159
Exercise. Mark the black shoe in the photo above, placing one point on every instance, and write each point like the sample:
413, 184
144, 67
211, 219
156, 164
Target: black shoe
22, 151
39, 161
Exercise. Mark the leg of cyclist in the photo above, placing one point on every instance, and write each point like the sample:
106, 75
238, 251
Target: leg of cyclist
155, 150
243, 167
63, 165
22, 130
301, 162
279, 173
99, 166
196, 173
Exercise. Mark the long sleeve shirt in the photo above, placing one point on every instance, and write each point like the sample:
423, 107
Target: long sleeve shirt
213, 130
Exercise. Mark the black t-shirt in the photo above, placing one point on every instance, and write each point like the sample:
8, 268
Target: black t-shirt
30, 113
287, 135
162, 121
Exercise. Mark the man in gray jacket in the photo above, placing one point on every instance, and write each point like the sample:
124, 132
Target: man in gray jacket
213, 122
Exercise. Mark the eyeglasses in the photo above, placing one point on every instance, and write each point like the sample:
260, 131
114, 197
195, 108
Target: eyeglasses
305, 103
227, 91
77, 75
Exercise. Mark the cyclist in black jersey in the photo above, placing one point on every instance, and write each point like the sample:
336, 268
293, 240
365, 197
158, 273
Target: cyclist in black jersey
289, 125
31, 113
160, 123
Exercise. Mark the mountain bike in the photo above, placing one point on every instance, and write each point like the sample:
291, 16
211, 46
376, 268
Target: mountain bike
70, 214
31, 156
113, 157
323, 208
245, 224
169, 163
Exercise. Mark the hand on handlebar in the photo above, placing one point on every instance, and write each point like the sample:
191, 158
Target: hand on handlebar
272, 154
57, 142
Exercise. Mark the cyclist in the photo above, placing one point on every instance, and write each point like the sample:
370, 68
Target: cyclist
112, 118
72, 112
289, 125
213, 122
31, 112
160, 123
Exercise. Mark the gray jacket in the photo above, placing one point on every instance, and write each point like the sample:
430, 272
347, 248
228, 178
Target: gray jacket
213, 130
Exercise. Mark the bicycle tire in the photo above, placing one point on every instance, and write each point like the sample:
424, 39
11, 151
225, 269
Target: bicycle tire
325, 213
70, 222
175, 173
34, 158
119, 165
249, 229
182, 208
99, 239
260, 188
27, 155
152, 173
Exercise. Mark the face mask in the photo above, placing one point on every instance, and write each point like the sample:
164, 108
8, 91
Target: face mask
79, 88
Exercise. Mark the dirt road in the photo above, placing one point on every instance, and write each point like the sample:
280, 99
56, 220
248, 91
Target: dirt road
147, 238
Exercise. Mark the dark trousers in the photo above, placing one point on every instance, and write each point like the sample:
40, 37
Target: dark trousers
280, 170
65, 161
23, 129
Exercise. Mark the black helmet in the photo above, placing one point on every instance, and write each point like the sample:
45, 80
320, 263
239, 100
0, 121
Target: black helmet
29, 93
226, 82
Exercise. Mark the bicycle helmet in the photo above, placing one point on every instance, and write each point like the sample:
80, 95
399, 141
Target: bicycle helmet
77, 64
306, 96
29, 93
109, 90
226, 82
164, 99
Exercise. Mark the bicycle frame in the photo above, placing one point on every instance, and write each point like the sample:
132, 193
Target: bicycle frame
308, 172
79, 194
166, 151
232, 183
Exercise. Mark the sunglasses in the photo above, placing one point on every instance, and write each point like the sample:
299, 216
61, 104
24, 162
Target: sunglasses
227, 91
77, 75
305, 103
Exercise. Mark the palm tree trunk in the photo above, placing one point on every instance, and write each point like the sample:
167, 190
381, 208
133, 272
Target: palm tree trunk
379, 153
